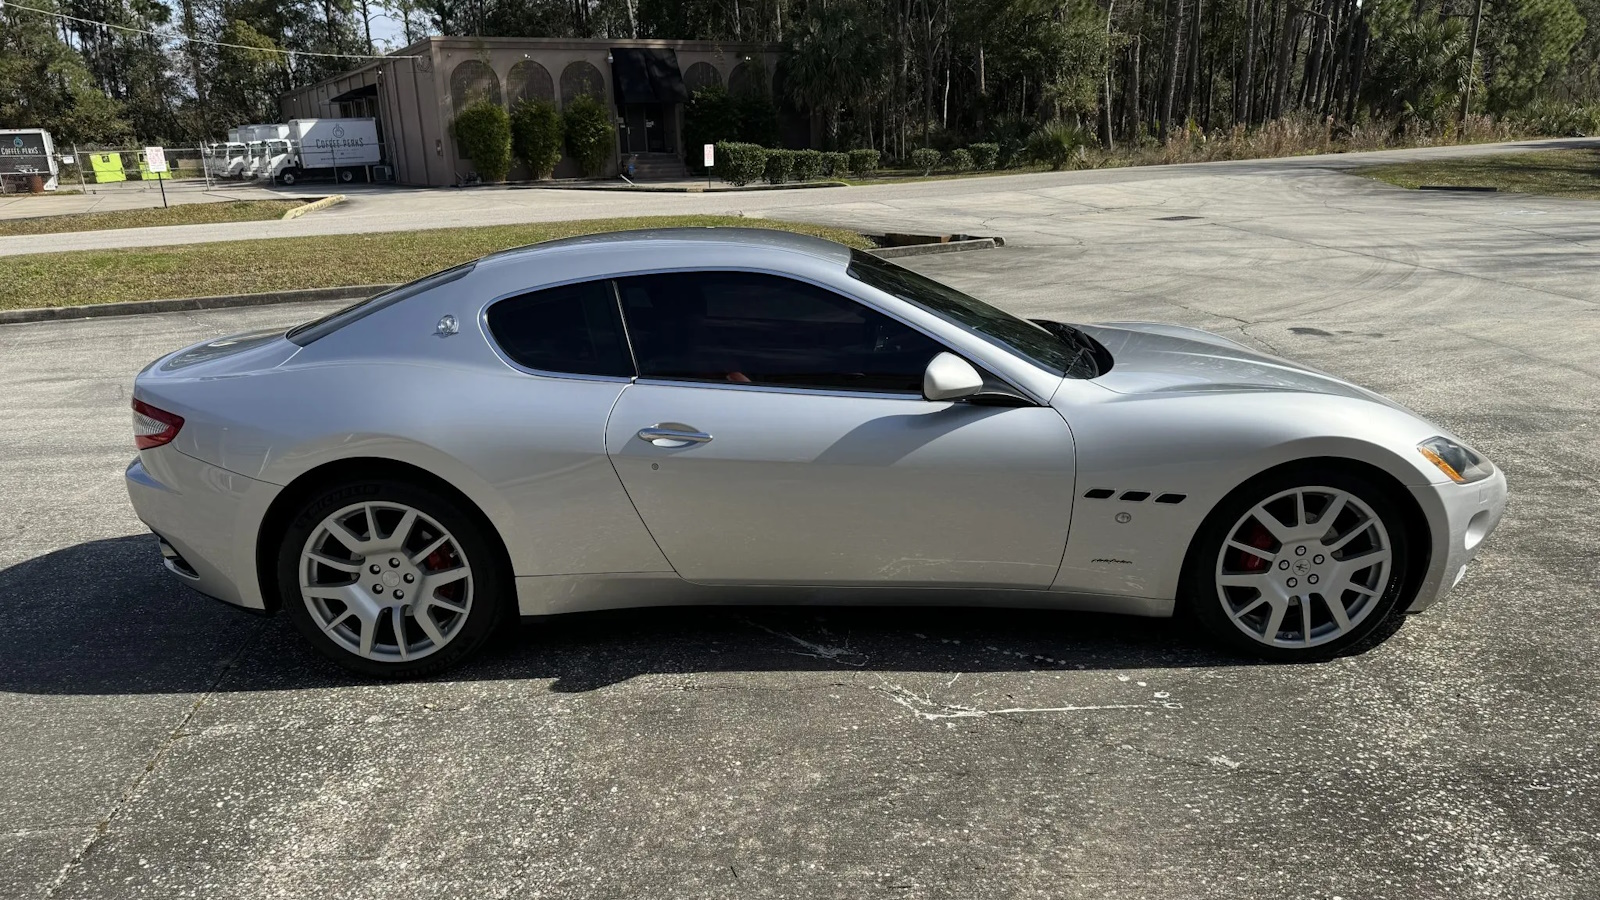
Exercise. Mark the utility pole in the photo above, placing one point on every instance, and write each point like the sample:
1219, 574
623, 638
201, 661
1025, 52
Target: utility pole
1472, 64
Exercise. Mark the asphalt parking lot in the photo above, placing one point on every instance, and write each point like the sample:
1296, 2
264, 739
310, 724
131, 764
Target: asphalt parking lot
156, 744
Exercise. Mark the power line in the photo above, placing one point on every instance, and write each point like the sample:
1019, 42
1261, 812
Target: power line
6, 4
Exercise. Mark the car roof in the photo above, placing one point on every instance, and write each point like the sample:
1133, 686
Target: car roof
712, 241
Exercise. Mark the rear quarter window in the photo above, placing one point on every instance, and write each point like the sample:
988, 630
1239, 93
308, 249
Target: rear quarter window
574, 329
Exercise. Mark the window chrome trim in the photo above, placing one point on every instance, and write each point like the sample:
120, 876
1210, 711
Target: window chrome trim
779, 389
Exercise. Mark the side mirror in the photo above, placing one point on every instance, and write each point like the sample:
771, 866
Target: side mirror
949, 377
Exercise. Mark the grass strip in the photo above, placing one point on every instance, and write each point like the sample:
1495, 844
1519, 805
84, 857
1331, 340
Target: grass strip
1555, 173
182, 214
281, 264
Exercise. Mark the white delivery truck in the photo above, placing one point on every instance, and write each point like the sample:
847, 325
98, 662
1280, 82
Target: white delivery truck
258, 155
342, 149
25, 154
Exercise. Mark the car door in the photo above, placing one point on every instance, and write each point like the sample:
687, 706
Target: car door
777, 434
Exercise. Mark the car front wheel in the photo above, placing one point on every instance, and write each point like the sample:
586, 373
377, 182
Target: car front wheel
390, 579
1300, 566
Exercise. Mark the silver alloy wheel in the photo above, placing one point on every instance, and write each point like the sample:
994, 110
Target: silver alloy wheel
1304, 567
385, 581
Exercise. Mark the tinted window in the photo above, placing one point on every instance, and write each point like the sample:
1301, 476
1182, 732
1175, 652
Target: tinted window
1020, 335
748, 328
573, 329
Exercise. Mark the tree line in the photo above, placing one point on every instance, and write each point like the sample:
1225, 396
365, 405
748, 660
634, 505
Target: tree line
894, 75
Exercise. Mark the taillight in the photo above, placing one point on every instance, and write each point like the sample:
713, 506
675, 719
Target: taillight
153, 427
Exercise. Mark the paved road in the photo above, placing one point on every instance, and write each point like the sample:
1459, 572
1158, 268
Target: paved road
376, 208
157, 745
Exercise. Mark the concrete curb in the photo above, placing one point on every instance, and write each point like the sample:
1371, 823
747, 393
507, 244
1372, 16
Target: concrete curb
348, 294
313, 206
648, 188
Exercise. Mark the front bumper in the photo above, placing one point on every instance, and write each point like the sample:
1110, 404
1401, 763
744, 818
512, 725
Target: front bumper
1461, 517
206, 519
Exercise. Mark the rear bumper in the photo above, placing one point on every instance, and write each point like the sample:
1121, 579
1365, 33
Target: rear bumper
1461, 517
206, 519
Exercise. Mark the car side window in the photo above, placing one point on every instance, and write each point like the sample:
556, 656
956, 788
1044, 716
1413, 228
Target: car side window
572, 329
753, 328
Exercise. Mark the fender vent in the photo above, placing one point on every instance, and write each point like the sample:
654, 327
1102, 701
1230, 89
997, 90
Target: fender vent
1171, 498
1134, 496
1099, 493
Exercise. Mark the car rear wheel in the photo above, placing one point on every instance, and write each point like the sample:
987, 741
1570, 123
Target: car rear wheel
1299, 566
390, 579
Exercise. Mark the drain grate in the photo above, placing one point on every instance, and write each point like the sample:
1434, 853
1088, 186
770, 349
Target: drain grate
1176, 218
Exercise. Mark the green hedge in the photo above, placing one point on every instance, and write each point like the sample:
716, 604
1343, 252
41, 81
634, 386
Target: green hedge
709, 117
591, 138
536, 136
484, 132
985, 156
835, 164
926, 159
961, 160
807, 164
740, 163
779, 165
863, 161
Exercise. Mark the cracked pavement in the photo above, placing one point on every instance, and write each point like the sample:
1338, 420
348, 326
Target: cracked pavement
156, 744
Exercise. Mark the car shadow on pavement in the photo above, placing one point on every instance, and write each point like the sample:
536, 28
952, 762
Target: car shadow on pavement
104, 617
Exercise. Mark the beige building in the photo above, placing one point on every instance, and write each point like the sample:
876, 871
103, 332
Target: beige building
644, 82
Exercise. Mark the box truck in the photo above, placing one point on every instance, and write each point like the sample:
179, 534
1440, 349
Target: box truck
342, 149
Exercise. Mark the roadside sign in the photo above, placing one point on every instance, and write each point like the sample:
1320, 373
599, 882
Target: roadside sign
711, 155
155, 159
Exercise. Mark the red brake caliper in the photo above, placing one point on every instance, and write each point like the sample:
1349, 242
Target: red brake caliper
1260, 538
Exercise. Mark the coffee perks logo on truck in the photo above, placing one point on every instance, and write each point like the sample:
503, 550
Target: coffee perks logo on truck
338, 140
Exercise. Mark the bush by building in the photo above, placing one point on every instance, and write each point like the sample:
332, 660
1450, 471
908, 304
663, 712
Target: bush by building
779, 165
961, 159
807, 164
739, 162
984, 155
591, 138
536, 136
835, 164
483, 130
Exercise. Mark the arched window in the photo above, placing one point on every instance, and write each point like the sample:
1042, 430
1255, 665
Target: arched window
581, 78
472, 81
745, 80
701, 74
528, 80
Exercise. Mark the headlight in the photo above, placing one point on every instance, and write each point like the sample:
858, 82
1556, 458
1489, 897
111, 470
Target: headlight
1460, 462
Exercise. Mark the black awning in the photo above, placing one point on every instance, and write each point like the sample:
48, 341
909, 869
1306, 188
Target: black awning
366, 90
647, 75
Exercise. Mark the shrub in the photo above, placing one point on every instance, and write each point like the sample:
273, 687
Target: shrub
591, 138
536, 136
1056, 144
835, 164
740, 163
985, 156
483, 131
807, 163
863, 161
926, 159
758, 118
710, 116
780, 163
960, 160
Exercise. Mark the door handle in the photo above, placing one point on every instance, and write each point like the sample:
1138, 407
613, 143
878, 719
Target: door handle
673, 435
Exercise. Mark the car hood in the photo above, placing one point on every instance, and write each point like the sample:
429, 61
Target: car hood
1150, 358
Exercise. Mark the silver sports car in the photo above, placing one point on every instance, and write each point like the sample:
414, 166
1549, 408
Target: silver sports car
748, 416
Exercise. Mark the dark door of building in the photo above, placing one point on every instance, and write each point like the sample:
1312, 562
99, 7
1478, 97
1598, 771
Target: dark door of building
645, 127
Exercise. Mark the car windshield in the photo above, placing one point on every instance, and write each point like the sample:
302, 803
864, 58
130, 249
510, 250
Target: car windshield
1073, 358
328, 324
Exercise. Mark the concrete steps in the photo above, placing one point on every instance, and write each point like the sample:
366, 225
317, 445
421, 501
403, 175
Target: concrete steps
654, 167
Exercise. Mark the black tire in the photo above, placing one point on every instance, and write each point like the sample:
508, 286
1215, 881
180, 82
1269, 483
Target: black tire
492, 591
1202, 598
287, 176
347, 175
